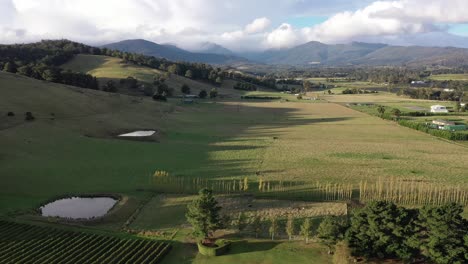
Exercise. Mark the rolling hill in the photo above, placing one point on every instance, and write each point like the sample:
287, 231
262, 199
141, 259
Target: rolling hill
110, 68
172, 52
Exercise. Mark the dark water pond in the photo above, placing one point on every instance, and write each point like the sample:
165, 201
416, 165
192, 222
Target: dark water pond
79, 207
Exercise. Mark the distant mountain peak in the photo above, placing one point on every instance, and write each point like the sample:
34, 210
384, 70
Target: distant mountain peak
214, 48
172, 52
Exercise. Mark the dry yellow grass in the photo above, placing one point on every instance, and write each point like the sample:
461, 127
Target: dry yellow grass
329, 142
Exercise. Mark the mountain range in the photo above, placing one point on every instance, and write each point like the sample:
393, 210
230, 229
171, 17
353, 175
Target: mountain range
173, 53
311, 53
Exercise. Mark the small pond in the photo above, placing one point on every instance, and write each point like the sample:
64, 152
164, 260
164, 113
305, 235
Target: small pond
79, 207
147, 133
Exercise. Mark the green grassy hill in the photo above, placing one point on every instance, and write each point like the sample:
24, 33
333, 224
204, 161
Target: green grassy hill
71, 146
106, 68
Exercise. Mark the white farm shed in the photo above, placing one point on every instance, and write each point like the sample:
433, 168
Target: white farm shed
439, 109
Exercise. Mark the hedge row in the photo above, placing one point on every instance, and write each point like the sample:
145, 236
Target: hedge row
261, 97
221, 247
438, 133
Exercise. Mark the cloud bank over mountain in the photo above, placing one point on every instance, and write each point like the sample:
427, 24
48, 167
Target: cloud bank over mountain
239, 25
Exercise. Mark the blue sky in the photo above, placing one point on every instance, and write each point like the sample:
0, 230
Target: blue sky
459, 29
306, 21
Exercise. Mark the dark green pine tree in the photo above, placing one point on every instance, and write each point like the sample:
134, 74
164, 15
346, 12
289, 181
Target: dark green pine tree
381, 229
441, 234
203, 214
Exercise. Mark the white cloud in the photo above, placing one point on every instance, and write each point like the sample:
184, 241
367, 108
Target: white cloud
258, 25
238, 25
282, 37
385, 18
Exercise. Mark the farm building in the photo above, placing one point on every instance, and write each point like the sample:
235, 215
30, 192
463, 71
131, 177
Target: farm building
443, 123
439, 109
419, 84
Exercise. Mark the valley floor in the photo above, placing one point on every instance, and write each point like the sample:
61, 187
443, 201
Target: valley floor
71, 148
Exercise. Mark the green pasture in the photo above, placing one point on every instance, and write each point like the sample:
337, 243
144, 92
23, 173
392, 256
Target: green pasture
448, 77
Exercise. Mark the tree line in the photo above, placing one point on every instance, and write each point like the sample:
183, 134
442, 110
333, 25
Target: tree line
42, 60
378, 230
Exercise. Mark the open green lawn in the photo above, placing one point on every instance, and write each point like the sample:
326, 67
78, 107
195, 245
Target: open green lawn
249, 250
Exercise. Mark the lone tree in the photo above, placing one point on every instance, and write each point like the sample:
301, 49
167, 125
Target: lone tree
203, 214
219, 80
290, 227
203, 94
273, 227
240, 222
189, 74
256, 223
213, 93
185, 89
305, 229
29, 116
110, 87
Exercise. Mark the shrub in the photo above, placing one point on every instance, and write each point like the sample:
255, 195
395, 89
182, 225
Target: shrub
330, 231
10, 114
214, 93
260, 97
29, 116
159, 97
245, 86
221, 247
185, 89
203, 94
417, 113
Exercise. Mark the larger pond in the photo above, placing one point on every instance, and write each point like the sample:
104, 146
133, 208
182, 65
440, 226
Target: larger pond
79, 207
